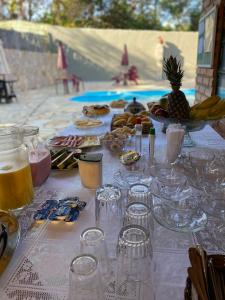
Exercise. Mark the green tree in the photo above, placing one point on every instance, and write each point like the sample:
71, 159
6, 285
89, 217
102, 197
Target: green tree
133, 14
177, 11
194, 18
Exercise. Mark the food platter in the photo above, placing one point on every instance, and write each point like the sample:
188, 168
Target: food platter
74, 142
88, 123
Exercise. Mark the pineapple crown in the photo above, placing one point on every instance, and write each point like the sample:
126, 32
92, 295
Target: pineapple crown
173, 70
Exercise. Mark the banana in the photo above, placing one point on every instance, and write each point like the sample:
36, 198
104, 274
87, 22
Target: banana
218, 110
209, 102
199, 114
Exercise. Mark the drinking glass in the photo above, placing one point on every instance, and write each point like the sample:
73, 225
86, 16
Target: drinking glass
108, 212
84, 279
92, 240
140, 214
134, 254
140, 192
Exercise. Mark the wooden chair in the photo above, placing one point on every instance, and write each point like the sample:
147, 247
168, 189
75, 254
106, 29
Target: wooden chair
7, 92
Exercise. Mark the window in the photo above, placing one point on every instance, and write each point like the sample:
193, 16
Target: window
206, 38
221, 72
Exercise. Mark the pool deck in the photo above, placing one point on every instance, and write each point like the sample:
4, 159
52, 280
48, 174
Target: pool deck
52, 112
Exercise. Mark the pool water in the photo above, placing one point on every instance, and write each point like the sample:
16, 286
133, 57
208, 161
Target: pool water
146, 95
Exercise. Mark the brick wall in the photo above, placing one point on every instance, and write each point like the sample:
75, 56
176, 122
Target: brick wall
206, 77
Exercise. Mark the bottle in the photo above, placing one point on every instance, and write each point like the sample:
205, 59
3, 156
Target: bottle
39, 155
138, 136
151, 143
16, 189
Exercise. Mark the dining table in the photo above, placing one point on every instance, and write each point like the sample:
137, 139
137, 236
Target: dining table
39, 268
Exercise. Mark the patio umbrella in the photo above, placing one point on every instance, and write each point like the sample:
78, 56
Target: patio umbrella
61, 59
125, 59
125, 64
4, 66
62, 66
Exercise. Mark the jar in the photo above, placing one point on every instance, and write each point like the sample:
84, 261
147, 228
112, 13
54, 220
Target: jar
39, 155
16, 189
90, 170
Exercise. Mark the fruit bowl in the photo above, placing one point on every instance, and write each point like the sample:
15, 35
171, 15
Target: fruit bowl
190, 126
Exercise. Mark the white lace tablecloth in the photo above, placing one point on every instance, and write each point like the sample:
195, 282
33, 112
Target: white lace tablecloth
40, 266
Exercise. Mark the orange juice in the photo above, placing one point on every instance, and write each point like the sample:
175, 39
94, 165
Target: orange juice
16, 189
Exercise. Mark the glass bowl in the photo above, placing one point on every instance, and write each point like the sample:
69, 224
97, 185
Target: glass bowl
115, 145
190, 125
180, 210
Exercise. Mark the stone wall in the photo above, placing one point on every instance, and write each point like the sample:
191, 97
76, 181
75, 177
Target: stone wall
207, 77
93, 54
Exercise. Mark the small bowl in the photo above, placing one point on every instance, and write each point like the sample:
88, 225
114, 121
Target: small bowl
115, 145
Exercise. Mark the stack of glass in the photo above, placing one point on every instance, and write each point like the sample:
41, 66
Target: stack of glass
116, 255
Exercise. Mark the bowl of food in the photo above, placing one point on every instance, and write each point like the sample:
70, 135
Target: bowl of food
114, 142
95, 110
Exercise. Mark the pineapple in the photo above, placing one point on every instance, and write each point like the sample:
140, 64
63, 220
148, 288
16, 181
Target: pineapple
178, 106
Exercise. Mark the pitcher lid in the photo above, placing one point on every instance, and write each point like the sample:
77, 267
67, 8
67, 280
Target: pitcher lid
91, 157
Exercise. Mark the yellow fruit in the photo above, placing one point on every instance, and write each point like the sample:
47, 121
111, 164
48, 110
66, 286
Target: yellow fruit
209, 102
218, 110
199, 114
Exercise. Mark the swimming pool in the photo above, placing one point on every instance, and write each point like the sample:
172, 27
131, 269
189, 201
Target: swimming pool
146, 95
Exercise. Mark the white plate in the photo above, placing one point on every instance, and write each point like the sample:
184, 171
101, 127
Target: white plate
88, 126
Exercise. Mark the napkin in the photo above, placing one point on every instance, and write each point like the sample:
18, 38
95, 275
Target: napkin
174, 138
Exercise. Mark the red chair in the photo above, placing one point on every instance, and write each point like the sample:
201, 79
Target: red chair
76, 82
133, 74
118, 78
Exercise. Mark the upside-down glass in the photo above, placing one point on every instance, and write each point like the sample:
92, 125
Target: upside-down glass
134, 268
108, 213
140, 214
140, 192
92, 240
85, 280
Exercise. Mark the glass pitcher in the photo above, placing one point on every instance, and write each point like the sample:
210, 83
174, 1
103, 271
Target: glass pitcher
16, 189
39, 154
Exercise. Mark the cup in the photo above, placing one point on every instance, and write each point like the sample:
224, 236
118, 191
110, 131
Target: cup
92, 240
108, 213
134, 267
90, 169
84, 279
140, 192
138, 213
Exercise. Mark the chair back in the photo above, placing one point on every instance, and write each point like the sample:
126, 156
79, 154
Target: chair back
133, 73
